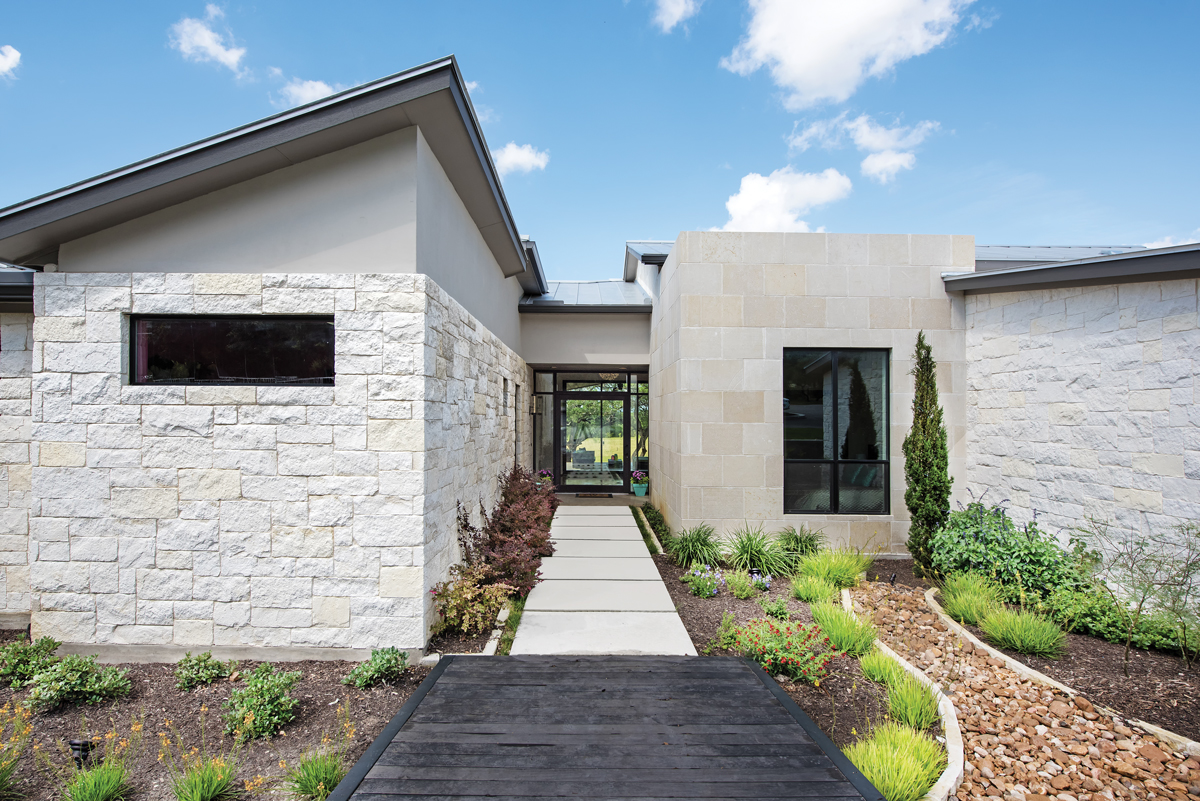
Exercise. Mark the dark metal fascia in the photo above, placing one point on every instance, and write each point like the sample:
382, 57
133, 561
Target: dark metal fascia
582, 308
16, 287
1121, 268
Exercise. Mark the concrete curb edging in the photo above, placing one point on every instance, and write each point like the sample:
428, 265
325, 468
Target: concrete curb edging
648, 528
948, 783
1179, 743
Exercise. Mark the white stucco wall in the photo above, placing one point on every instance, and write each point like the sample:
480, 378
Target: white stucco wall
350, 211
257, 515
1083, 402
582, 339
729, 303
16, 363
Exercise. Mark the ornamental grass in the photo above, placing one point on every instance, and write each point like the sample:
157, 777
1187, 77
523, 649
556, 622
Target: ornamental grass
900, 762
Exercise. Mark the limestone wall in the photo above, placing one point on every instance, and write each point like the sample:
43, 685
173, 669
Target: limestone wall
1082, 401
730, 303
16, 358
275, 516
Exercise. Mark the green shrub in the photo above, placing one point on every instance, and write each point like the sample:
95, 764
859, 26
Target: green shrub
76, 679
1024, 632
1098, 615
386, 666
797, 651
776, 609
107, 781
469, 602
21, 661
696, 545
262, 707
1018, 559
646, 538
515, 611
810, 589
900, 763
192, 671
848, 634
912, 702
315, 775
879, 667
726, 636
752, 549
740, 584
926, 459
795, 544
659, 524
969, 597
840, 567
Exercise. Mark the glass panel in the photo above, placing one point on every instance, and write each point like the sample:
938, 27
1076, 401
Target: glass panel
805, 487
861, 423
641, 428
641, 384
860, 489
543, 382
593, 440
593, 382
223, 350
543, 433
807, 404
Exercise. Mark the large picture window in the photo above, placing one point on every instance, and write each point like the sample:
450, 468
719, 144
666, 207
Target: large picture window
835, 425
232, 350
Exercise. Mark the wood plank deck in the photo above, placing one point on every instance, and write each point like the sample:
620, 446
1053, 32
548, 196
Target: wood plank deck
630, 727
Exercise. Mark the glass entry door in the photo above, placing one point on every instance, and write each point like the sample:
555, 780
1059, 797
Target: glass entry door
594, 442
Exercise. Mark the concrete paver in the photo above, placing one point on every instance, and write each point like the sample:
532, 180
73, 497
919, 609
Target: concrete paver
604, 633
600, 568
600, 596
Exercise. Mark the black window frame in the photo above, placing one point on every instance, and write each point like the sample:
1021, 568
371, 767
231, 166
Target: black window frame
836, 462
134, 319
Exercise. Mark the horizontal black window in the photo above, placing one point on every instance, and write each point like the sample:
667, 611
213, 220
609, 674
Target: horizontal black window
232, 350
835, 424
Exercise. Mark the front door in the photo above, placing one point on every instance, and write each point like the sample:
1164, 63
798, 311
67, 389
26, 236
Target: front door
593, 436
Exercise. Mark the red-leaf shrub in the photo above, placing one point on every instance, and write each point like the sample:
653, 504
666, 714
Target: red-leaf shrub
793, 649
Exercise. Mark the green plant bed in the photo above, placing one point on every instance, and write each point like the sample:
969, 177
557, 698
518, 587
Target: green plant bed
797, 651
515, 609
969, 597
646, 538
879, 667
912, 702
696, 546
845, 631
840, 567
1024, 632
752, 549
900, 762
811, 589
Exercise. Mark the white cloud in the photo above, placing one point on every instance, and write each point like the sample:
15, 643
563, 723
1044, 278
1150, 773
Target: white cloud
669, 13
889, 149
776, 201
10, 57
519, 158
472, 86
823, 50
1170, 241
197, 41
884, 165
297, 92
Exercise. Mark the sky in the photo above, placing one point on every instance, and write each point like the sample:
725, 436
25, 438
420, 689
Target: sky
1024, 122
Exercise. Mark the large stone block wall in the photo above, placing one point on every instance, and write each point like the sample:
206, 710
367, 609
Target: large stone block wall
241, 515
729, 303
16, 361
1083, 402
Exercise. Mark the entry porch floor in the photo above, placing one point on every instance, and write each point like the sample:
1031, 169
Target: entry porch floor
601, 727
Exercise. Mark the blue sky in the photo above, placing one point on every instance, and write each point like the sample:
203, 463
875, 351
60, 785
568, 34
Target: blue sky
1018, 122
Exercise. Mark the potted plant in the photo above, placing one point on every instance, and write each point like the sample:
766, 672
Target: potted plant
545, 476
640, 482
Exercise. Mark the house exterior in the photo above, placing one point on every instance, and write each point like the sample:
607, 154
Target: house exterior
245, 384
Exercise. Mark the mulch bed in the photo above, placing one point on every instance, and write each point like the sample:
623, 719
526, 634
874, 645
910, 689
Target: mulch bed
155, 697
454, 642
845, 702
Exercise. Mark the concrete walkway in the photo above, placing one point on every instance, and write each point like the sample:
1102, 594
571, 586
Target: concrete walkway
601, 593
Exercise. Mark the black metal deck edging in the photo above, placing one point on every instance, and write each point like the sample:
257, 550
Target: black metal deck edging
852, 774
362, 767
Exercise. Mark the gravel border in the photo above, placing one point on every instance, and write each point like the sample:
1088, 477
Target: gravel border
1180, 743
948, 783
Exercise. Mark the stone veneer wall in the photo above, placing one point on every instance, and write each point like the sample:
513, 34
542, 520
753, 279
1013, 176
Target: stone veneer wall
241, 515
1083, 401
16, 359
729, 303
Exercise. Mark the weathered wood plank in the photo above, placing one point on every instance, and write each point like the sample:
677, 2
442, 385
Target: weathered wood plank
671, 789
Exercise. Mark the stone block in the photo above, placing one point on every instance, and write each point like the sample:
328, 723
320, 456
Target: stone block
67, 482
331, 612
145, 503
245, 516
59, 329
305, 460
1149, 400
218, 396
192, 633
222, 589
227, 284
177, 421
209, 484
281, 593
1158, 464
1067, 414
892, 313
401, 582
64, 626
302, 541
396, 435
280, 618
61, 454
154, 584
1139, 499
188, 535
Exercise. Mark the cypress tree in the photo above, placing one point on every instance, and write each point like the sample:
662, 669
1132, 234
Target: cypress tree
926, 460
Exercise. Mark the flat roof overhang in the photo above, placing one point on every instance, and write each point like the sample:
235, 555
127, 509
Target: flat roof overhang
431, 96
1160, 264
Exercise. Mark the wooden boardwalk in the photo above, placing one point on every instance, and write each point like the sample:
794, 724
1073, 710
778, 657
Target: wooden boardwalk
601, 727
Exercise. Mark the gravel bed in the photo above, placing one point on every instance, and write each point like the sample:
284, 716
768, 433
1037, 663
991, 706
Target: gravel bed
1023, 741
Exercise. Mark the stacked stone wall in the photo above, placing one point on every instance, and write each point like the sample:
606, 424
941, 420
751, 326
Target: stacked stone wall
16, 360
242, 515
1083, 402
